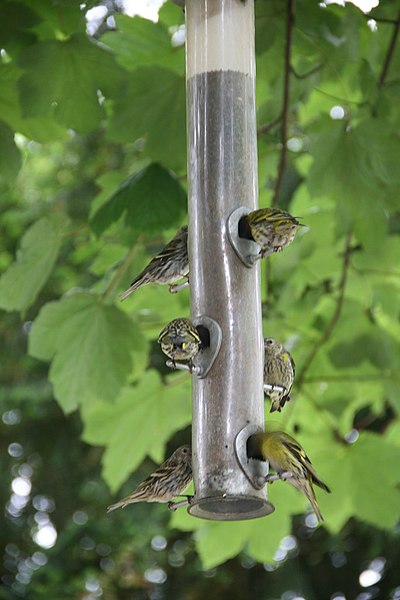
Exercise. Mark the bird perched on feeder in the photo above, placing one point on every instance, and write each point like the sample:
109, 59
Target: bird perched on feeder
290, 462
279, 372
167, 267
180, 340
273, 229
166, 483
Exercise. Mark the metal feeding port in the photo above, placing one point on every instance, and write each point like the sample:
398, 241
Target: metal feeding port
256, 471
227, 507
247, 250
211, 337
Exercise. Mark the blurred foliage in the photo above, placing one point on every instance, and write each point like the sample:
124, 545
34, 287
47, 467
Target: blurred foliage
92, 183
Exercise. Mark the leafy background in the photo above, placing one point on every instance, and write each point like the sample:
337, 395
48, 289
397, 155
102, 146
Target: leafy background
92, 183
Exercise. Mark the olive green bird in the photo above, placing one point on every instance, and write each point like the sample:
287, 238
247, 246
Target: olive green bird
290, 462
180, 340
273, 229
279, 372
167, 267
166, 483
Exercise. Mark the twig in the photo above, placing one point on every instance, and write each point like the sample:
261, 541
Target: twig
335, 317
382, 272
286, 98
390, 51
338, 98
120, 272
268, 126
73, 232
356, 378
380, 19
307, 73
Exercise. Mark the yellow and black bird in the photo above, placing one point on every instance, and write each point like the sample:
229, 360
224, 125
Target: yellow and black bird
180, 340
286, 456
279, 372
273, 229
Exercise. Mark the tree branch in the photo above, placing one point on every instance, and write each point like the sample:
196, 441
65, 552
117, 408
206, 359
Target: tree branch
338, 98
380, 19
307, 73
335, 317
120, 272
356, 378
268, 126
286, 98
390, 51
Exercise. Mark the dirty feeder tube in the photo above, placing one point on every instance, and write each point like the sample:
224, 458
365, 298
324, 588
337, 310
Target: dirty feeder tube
222, 171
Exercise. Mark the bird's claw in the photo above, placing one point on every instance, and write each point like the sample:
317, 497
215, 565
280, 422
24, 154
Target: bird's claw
174, 289
253, 258
279, 476
173, 506
268, 387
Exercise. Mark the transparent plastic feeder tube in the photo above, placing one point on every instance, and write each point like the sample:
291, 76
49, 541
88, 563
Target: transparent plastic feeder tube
222, 172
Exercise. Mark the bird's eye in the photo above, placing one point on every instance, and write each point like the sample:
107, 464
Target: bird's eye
183, 346
269, 342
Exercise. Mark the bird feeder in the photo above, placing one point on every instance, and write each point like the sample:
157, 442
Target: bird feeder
228, 399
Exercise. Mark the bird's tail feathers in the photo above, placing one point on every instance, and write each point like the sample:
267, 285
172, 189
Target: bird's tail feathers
125, 501
306, 487
321, 484
136, 284
314, 503
311, 473
275, 406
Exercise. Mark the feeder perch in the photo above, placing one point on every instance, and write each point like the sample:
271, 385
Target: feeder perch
256, 471
206, 357
268, 387
211, 337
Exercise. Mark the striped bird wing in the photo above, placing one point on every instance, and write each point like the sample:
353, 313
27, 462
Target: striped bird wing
162, 482
300, 457
172, 256
308, 470
293, 365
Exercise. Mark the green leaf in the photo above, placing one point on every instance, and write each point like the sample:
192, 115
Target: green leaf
355, 166
362, 478
153, 107
155, 306
220, 541
171, 14
15, 23
149, 201
139, 42
60, 19
140, 423
23, 280
9, 104
41, 129
10, 158
91, 346
51, 66
270, 18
